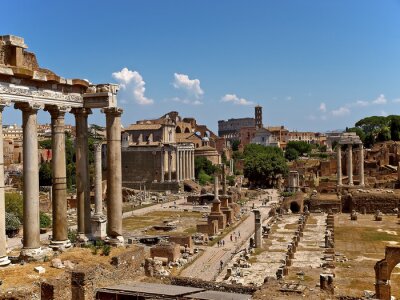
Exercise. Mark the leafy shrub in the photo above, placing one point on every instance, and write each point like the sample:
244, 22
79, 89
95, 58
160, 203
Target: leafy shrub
204, 178
106, 250
14, 205
45, 220
12, 222
72, 235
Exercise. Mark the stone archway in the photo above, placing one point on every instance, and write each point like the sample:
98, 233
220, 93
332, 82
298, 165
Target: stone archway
178, 129
294, 207
383, 270
187, 130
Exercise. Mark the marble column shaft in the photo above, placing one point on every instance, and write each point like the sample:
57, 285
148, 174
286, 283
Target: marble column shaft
193, 167
187, 166
162, 160
59, 173
339, 165
169, 166
30, 176
98, 188
361, 164
177, 165
350, 163
114, 172
3, 239
82, 171
181, 165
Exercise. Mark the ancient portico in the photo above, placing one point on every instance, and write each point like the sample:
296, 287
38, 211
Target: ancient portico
31, 88
349, 140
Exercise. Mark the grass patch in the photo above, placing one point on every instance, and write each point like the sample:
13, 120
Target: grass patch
375, 236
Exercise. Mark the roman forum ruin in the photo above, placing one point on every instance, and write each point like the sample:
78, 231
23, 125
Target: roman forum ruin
29, 89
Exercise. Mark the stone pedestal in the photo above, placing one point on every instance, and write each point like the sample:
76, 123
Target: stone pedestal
99, 227
216, 213
226, 210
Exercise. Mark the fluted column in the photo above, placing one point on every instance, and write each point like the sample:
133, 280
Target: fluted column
82, 172
114, 175
162, 164
169, 166
350, 163
4, 261
193, 167
339, 165
361, 164
31, 240
59, 174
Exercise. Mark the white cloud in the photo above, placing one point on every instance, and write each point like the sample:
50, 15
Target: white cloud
380, 100
289, 98
322, 107
396, 100
361, 103
341, 111
191, 86
235, 100
187, 101
384, 113
134, 85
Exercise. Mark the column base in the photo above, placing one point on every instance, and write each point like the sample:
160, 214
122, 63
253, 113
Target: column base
117, 241
82, 238
4, 261
60, 245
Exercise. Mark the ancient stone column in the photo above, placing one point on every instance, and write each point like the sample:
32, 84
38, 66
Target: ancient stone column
339, 165
169, 166
224, 193
361, 164
162, 165
98, 219
59, 173
187, 164
181, 166
350, 163
82, 173
4, 261
193, 166
31, 242
114, 175
257, 228
177, 159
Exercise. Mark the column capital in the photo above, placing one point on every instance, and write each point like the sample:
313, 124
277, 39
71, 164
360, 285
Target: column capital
57, 111
81, 111
28, 106
117, 111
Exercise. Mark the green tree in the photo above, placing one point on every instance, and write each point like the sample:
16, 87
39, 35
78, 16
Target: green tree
372, 124
395, 128
300, 146
235, 145
45, 144
383, 134
203, 164
263, 165
291, 154
45, 176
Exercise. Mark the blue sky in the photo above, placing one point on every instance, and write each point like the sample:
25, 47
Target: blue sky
312, 65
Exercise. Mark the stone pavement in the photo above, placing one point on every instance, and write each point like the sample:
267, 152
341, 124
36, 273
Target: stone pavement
207, 265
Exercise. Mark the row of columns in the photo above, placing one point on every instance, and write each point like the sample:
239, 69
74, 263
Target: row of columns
31, 223
350, 164
185, 164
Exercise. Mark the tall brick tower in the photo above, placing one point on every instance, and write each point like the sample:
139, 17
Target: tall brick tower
258, 116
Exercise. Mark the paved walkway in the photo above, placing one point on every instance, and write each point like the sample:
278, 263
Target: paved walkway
207, 265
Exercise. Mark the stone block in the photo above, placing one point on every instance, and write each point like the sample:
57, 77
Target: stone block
40, 270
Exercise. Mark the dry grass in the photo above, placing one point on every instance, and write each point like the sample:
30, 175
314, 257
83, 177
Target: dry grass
364, 245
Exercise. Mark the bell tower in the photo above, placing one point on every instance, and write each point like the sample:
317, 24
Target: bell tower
258, 116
